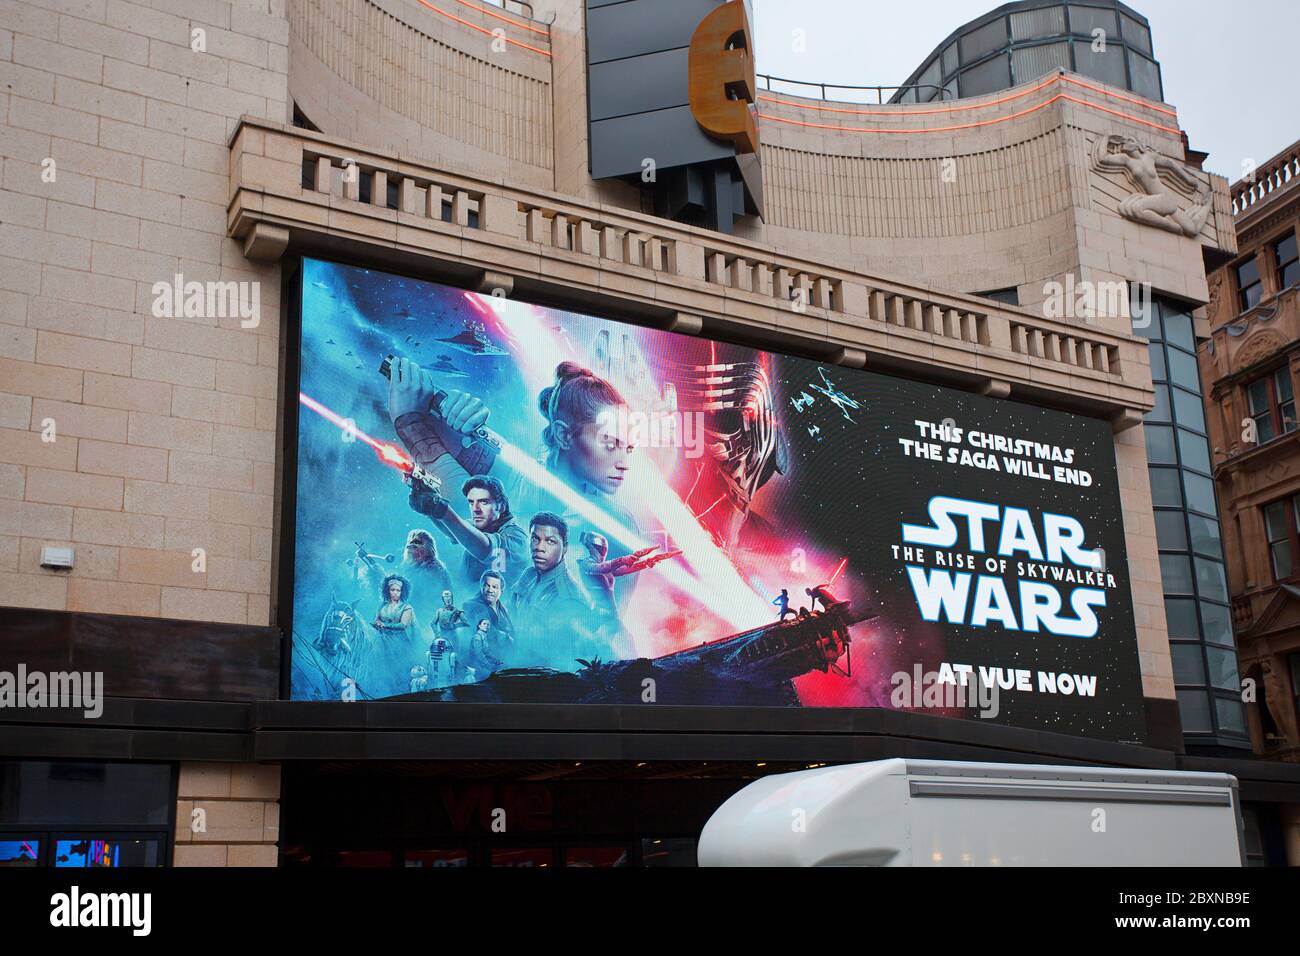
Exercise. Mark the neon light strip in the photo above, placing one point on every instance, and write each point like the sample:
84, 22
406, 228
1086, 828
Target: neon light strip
989, 122
475, 26
974, 106
503, 19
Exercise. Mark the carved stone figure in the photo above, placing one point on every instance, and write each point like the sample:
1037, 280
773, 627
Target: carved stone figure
1257, 348
1158, 202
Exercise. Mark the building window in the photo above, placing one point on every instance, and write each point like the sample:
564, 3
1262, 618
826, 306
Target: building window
1248, 285
1294, 661
1271, 403
1009, 296
86, 813
1187, 531
1280, 522
1287, 259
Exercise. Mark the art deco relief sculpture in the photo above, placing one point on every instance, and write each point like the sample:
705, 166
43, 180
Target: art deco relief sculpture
1158, 204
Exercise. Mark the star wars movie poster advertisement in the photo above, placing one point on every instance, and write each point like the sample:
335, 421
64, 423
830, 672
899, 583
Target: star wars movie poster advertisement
500, 502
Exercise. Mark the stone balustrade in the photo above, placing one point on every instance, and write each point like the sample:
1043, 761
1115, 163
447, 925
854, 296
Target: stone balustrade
1280, 173
289, 183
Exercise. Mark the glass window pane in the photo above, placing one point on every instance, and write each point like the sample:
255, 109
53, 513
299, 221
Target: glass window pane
1194, 450
1176, 573
1211, 579
1188, 409
1257, 396
1160, 445
1171, 531
669, 851
1206, 537
1264, 428
1282, 385
1106, 65
531, 856
595, 856
992, 36
993, 74
1281, 556
1135, 34
1189, 666
435, 858
1145, 314
1194, 711
1083, 20
20, 851
931, 76
114, 794
1183, 370
1223, 667
950, 60
1247, 273
1031, 62
1032, 24
1216, 623
1200, 493
1290, 274
1158, 373
1178, 328
1276, 521
1180, 618
1232, 716
1160, 410
1145, 75
107, 853
1285, 250
1166, 491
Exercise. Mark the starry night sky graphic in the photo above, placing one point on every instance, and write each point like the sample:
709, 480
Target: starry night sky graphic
875, 488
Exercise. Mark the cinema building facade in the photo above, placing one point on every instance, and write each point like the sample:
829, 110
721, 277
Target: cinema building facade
884, 397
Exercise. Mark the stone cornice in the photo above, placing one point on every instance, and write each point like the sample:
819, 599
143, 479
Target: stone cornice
289, 180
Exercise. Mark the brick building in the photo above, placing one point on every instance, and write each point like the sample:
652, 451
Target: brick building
148, 146
1248, 367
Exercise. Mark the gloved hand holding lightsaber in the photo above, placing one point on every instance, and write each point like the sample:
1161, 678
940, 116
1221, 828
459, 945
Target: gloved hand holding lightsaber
445, 433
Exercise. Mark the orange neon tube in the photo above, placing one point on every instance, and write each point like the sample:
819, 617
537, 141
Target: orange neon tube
475, 26
978, 123
973, 106
504, 19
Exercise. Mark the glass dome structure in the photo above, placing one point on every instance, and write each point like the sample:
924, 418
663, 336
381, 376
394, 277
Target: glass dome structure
1019, 42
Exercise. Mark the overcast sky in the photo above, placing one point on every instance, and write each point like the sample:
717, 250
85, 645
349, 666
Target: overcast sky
1228, 67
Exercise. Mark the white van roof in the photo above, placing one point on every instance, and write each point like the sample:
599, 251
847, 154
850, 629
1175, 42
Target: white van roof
858, 814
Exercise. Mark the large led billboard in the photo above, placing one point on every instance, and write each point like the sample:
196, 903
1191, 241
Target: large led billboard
501, 502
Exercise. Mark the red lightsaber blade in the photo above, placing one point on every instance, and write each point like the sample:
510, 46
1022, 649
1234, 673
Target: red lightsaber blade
389, 454
838, 571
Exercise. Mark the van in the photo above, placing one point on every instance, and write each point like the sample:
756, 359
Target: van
903, 812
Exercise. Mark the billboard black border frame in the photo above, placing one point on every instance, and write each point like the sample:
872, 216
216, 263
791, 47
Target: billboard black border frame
1161, 728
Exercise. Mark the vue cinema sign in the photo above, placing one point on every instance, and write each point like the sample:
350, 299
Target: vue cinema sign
671, 88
